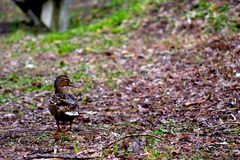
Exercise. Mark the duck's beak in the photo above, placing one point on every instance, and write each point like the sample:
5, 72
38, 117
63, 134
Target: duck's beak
72, 85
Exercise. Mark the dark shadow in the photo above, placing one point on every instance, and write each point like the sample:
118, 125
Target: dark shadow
11, 27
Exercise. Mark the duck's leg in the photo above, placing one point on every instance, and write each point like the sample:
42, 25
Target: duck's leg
58, 125
70, 125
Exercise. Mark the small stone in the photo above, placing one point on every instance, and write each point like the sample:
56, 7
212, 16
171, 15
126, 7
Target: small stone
30, 66
45, 111
238, 75
9, 116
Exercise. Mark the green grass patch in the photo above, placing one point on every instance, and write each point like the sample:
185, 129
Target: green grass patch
218, 18
106, 28
15, 37
24, 83
110, 77
6, 97
87, 75
97, 43
98, 30
113, 77
32, 106
66, 47
120, 11
55, 37
81, 74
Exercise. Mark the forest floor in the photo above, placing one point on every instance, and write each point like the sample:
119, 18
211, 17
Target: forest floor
167, 88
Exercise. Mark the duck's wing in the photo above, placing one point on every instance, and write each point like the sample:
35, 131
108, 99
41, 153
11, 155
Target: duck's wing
65, 103
52, 105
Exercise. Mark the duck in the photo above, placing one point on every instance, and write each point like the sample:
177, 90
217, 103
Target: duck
63, 106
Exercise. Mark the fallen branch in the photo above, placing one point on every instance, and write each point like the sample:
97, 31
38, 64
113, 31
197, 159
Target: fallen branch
129, 136
59, 156
19, 132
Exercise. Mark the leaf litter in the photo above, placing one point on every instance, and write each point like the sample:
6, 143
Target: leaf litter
187, 93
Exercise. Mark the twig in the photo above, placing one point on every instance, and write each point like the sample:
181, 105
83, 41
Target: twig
199, 101
223, 124
132, 135
219, 125
58, 156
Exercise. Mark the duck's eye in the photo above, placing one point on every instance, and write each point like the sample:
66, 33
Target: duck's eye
66, 81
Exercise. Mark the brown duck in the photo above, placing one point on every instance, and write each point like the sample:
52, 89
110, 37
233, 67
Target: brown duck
61, 105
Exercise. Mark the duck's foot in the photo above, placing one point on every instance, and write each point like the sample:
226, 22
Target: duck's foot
58, 127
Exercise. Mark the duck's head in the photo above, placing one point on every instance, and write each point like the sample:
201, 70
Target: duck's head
60, 82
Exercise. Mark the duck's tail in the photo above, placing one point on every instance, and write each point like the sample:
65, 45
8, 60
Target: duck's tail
72, 114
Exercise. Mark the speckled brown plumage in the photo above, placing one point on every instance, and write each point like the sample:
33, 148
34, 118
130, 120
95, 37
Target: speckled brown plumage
61, 105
